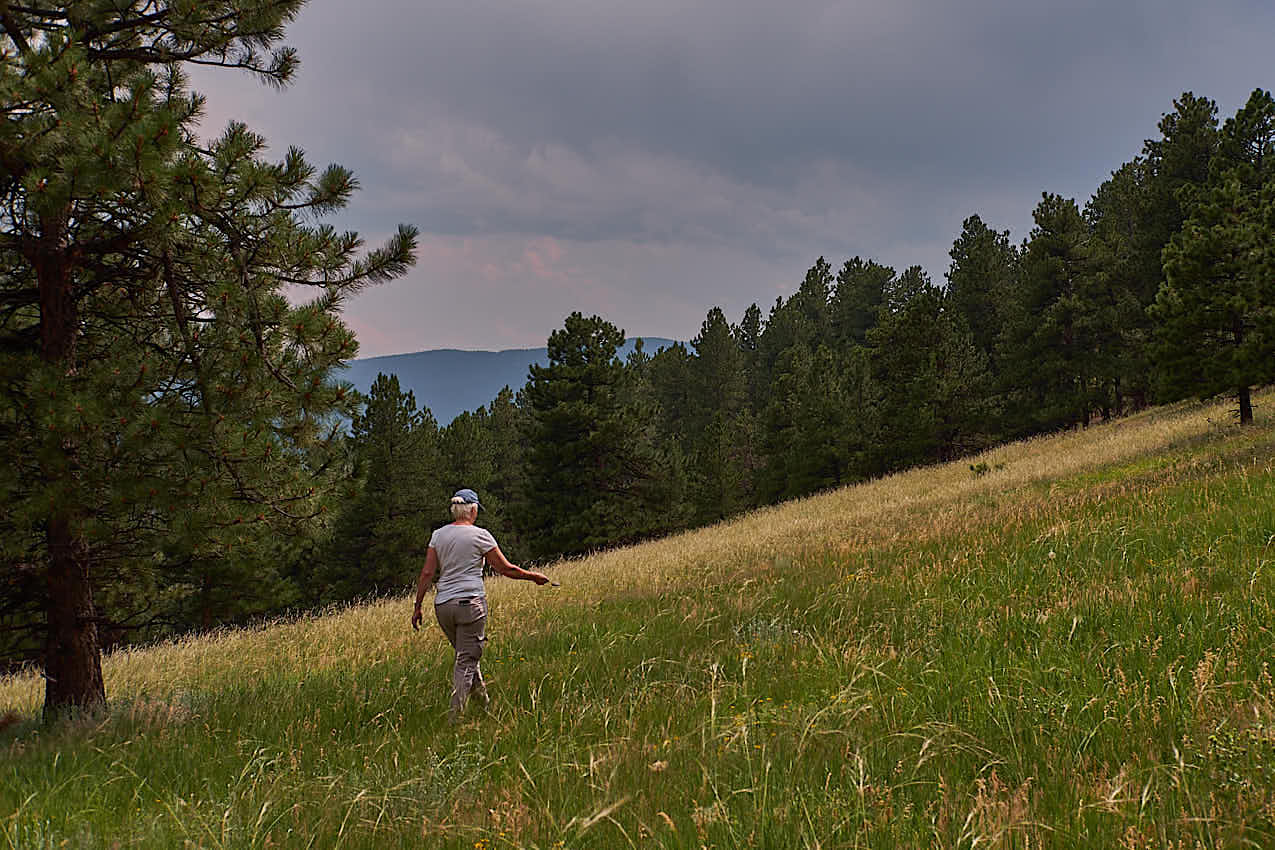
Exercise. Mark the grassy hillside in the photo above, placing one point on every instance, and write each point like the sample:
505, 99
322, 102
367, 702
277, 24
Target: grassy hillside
1072, 648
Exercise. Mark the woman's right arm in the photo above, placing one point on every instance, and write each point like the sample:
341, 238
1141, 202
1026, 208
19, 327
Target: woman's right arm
423, 583
497, 561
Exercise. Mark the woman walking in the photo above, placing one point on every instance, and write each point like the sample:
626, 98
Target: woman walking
456, 553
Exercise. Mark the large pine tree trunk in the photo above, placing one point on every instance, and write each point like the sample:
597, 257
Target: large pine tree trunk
72, 661
1246, 406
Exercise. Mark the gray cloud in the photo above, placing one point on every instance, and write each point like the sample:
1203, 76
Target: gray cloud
644, 139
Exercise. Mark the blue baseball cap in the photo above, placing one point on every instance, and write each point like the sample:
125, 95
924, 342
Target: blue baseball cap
467, 496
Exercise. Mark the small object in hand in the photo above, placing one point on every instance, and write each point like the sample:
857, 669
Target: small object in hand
553, 583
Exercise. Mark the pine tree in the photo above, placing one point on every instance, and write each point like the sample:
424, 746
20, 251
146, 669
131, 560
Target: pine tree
505, 424
858, 299
1217, 305
805, 319
1114, 283
934, 390
813, 296
1177, 166
380, 536
483, 450
808, 425
979, 280
596, 474
748, 331
747, 336
668, 378
720, 435
163, 394
1046, 372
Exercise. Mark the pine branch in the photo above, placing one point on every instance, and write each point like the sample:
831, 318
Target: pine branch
12, 29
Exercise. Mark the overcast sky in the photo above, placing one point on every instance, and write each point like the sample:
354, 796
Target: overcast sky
647, 161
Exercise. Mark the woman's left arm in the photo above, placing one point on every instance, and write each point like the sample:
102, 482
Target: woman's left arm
498, 562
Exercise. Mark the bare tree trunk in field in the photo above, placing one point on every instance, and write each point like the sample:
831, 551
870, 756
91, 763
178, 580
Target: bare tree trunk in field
73, 656
1243, 396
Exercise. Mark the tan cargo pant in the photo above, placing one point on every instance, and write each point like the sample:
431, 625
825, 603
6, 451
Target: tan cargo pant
464, 621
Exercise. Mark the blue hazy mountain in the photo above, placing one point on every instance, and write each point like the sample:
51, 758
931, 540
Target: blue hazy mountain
449, 381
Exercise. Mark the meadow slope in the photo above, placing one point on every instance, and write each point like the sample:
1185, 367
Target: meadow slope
1069, 647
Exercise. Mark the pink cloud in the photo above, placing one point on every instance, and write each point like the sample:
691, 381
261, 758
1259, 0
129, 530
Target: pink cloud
542, 256
372, 338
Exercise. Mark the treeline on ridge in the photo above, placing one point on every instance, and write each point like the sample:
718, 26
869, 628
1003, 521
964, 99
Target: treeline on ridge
1161, 287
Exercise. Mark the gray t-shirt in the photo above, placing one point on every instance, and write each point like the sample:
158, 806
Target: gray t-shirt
460, 551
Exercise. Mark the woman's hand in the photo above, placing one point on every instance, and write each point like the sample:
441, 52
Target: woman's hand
539, 578
416, 619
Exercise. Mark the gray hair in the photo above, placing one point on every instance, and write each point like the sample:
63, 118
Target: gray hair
462, 509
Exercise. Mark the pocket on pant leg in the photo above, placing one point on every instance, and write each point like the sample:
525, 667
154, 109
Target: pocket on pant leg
477, 609
470, 640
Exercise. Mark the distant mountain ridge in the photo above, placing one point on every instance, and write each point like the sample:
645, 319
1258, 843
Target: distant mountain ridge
450, 381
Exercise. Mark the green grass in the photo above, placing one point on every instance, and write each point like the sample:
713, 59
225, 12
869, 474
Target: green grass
1074, 658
